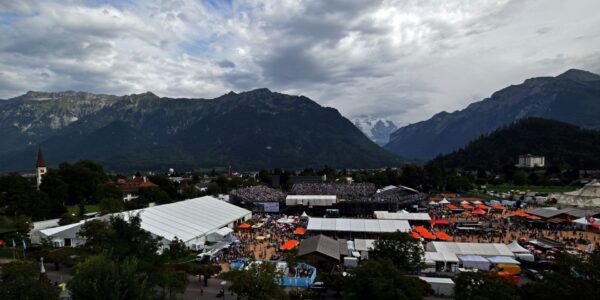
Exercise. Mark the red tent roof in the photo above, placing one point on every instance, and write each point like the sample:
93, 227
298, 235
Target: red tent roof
415, 235
244, 226
440, 222
479, 211
467, 206
425, 233
291, 244
450, 206
443, 236
300, 231
498, 206
483, 206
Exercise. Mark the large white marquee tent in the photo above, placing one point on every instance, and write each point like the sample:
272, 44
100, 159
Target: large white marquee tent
192, 221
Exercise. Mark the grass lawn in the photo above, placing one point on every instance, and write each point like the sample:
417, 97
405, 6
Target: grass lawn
532, 188
74, 209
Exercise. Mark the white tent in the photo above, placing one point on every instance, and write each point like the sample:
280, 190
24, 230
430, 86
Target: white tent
464, 202
516, 248
357, 225
304, 215
474, 262
444, 201
433, 203
503, 260
189, 220
583, 223
476, 202
402, 215
482, 249
587, 196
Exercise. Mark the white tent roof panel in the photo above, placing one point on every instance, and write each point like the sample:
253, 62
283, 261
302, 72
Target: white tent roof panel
357, 225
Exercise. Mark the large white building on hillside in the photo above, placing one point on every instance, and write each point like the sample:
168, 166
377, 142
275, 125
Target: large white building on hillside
531, 161
194, 221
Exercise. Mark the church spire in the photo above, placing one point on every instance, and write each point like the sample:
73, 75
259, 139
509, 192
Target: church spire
40, 163
40, 167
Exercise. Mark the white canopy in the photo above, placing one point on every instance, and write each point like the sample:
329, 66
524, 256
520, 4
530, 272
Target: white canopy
516, 248
584, 221
476, 202
503, 260
483, 249
444, 201
357, 225
464, 202
304, 215
186, 220
474, 262
224, 231
402, 215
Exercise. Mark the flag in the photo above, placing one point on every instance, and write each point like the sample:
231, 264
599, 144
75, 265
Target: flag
24, 245
14, 244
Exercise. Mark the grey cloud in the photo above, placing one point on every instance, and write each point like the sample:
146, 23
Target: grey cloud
226, 64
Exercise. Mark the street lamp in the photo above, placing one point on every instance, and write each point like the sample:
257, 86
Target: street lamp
223, 284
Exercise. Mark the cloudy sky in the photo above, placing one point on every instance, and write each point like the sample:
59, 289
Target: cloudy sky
403, 60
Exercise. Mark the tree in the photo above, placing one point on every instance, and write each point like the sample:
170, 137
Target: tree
154, 195
291, 258
177, 249
259, 282
111, 205
519, 178
380, 279
99, 277
173, 283
205, 270
483, 286
67, 218
575, 278
20, 280
400, 248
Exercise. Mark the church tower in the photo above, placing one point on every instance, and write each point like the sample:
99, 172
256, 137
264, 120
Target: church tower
40, 167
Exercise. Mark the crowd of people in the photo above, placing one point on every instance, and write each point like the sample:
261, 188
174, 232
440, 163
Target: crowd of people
348, 191
257, 193
398, 195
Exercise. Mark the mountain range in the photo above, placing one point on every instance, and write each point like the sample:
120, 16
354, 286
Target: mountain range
377, 129
250, 130
572, 97
563, 145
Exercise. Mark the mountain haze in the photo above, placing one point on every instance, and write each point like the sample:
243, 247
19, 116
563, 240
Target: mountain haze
572, 97
249, 130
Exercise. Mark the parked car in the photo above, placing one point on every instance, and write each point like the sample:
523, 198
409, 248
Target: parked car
534, 274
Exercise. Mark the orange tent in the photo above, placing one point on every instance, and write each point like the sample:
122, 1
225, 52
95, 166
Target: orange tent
300, 231
291, 244
479, 211
467, 206
440, 222
443, 236
425, 233
483, 206
498, 206
450, 206
415, 235
244, 226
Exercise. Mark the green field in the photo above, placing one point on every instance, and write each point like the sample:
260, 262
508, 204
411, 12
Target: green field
74, 209
530, 188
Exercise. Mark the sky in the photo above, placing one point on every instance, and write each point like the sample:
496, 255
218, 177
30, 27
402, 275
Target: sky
402, 60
